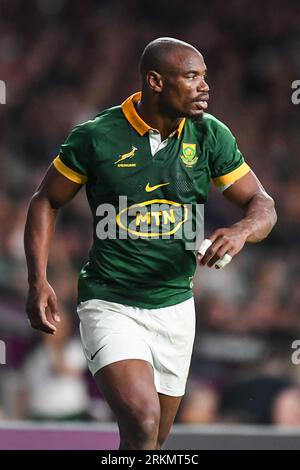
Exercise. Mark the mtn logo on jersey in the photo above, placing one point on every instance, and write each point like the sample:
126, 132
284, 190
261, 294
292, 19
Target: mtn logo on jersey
189, 157
124, 156
155, 218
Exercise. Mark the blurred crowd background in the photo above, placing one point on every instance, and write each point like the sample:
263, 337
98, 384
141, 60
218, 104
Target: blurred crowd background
64, 61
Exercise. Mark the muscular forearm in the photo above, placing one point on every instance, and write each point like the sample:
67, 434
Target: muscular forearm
54, 191
38, 233
260, 218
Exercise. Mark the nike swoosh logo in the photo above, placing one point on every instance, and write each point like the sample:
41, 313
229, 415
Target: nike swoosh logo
149, 188
94, 355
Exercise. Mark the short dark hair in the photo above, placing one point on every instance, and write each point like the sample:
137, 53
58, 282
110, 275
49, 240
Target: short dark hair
155, 53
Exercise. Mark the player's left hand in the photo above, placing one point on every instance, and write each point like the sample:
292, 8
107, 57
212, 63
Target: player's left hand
228, 240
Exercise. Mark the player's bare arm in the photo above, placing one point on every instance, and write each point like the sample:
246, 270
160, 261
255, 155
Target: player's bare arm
258, 221
54, 191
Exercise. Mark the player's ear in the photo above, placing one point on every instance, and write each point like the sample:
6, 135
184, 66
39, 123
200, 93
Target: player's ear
154, 81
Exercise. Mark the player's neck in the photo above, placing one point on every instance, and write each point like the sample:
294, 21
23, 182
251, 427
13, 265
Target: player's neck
151, 115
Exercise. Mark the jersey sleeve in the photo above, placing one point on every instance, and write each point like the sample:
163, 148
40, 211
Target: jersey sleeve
74, 157
228, 163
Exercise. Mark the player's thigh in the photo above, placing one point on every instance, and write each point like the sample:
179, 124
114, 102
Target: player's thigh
168, 410
128, 386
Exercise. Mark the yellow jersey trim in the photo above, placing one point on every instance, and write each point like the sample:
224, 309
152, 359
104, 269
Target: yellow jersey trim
232, 176
68, 173
128, 108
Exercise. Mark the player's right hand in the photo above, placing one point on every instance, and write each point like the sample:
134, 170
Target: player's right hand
42, 303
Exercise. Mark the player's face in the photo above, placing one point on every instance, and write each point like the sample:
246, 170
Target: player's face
184, 91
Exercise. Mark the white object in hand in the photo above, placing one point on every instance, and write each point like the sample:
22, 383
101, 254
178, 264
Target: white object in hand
204, 246
224, 261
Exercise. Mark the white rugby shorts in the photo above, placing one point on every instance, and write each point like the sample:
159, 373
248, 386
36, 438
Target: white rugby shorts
164, 337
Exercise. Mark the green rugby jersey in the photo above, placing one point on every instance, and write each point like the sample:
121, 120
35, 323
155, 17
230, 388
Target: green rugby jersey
144, 261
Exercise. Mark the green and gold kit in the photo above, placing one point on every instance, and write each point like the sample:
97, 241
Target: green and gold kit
146, 199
